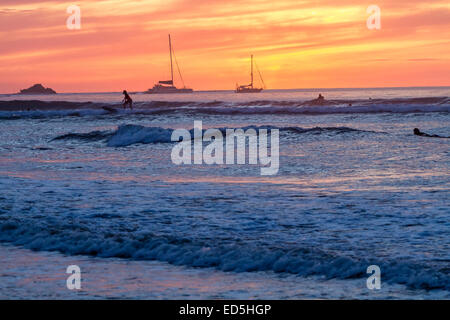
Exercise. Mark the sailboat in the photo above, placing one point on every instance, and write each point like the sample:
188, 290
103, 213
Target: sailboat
167, 86
250, 88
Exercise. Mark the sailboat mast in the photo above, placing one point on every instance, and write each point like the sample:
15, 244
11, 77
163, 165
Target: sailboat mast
171, 63
252, 72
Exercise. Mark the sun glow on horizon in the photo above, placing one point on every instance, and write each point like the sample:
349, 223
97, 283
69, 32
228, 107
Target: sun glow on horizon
123, 44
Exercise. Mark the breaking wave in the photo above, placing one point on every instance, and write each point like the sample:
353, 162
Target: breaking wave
18, 109
130, 134
76, 239
90, 136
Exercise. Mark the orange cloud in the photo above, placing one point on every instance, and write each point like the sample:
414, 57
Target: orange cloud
123, 44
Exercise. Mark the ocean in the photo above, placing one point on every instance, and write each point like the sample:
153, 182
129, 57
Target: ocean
82, 185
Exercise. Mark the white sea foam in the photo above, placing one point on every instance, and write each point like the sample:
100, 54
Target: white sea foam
74, 239
132, 134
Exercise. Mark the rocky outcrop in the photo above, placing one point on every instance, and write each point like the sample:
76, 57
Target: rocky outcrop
38, 89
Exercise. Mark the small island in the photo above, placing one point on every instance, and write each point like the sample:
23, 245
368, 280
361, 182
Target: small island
37, 89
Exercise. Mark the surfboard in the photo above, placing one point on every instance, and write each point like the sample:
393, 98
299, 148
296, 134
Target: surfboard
110, 109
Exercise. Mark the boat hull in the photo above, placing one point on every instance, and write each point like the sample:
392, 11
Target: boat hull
168, 90
249, 90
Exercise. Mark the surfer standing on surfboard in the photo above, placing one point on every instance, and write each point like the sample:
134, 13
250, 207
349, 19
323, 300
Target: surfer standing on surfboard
127, 101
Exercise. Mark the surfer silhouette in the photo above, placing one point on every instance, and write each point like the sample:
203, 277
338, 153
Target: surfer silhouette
417, 132
127, 101
320, 100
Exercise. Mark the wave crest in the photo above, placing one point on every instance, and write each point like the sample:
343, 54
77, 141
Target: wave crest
18, 109
130, 134
74, 240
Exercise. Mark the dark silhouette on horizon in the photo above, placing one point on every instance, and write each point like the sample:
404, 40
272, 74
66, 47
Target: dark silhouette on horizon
37, 89
127, 101
319, 101
167, 86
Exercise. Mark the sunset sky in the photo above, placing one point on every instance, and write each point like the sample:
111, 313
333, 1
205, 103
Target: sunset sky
297, 44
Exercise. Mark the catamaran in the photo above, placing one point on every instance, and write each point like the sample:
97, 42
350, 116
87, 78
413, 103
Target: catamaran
167, 86
250, 88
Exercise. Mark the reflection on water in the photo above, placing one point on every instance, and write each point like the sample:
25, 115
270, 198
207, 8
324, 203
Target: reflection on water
343, 199
30, 275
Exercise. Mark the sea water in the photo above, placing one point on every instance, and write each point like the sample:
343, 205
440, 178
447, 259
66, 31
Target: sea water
86, 186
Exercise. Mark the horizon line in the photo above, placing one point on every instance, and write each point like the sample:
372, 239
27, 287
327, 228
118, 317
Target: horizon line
232, 90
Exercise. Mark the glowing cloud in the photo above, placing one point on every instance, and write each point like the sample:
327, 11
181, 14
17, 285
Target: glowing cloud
123, 44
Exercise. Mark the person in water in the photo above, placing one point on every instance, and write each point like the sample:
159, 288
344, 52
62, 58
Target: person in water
417, 132
319, 101
127, 101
